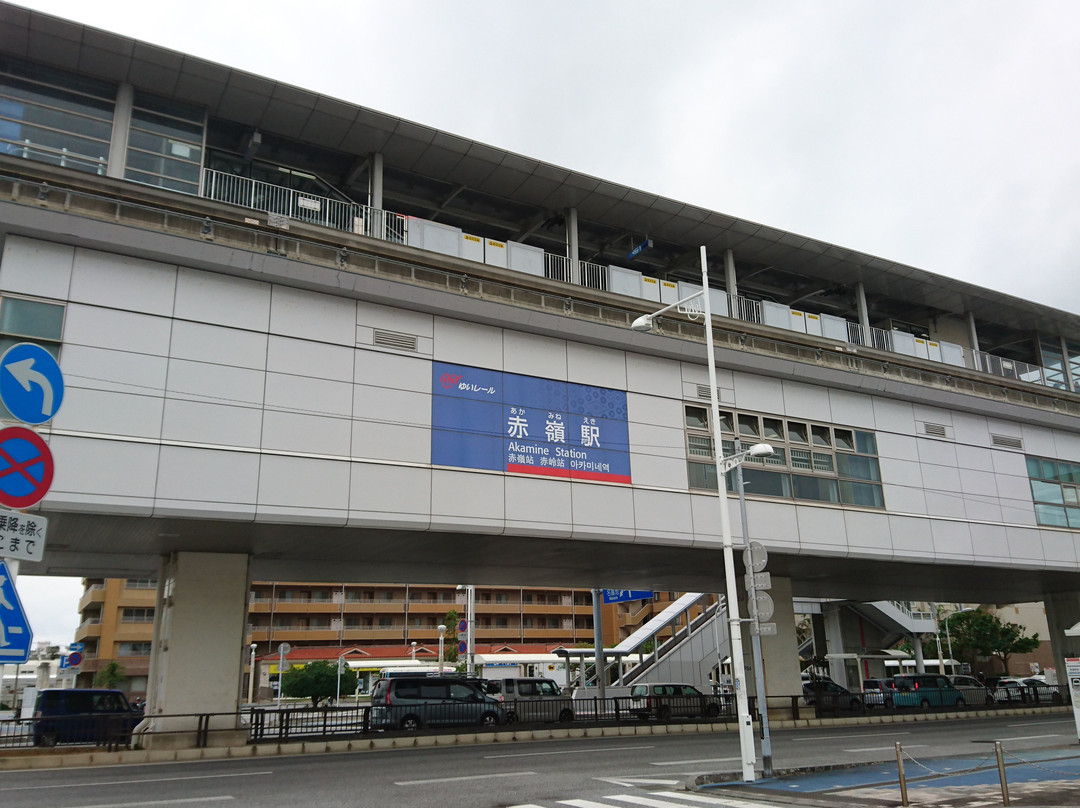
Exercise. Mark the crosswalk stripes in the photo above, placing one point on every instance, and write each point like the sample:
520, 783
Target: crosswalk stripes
658, 799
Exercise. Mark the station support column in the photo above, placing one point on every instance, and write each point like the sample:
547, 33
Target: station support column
780, 653
197, 659
1062, 612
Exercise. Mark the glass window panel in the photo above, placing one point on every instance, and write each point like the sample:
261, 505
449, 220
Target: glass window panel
797, 432
1069, 472
772, 428
1051, 515
858, 466
31, 318
161, 182
155, 144
702, 475
1041, 469
696, 417
862, 494
823, 461
41, 73
189, 131
699, 445
821, 435
800, 459
778, 458
1046, 492
748, 425
1073, 515
727, 447
727, 423
820, 489
845, 439
766, 483
1070, 495
865, 443
156, 164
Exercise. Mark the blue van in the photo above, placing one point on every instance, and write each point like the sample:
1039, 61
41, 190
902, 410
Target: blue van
926, 690
78, 715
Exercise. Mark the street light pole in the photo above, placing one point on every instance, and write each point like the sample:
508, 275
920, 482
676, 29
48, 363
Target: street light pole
442, 639
251, 675
283, 650
724, 465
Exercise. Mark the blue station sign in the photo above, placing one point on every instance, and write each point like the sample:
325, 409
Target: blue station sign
488, 419
623, 595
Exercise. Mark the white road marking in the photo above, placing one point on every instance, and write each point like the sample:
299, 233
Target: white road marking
837, 737
648, 802
462, 779
1037, 723
570, 752
188, 801
583, 804
136, 781
706, 799
886, 748
694, 762
1030, 737
636, 781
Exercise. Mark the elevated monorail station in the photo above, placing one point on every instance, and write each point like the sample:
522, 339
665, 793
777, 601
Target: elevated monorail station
305, 340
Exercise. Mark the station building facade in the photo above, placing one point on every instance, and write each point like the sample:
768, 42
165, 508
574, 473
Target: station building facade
305, 340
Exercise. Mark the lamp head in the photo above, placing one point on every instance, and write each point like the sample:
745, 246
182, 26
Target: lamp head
442, 628
760, 450
643, 323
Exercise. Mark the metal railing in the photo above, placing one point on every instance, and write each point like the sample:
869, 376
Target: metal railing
307, 249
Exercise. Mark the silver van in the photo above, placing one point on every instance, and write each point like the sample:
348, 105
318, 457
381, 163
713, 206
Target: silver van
531, 699
413, 702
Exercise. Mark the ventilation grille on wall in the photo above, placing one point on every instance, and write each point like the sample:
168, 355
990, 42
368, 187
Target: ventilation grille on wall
391, 339
936, 430
703, 392
1007, 441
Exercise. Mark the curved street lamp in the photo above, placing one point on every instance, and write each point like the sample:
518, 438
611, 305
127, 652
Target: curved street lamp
723, 466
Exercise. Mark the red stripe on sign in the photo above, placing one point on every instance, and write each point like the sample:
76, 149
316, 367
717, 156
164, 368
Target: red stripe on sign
548, 471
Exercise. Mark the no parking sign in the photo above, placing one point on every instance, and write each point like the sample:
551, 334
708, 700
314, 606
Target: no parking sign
26, 467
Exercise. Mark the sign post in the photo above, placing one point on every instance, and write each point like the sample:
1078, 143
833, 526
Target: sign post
1072, 673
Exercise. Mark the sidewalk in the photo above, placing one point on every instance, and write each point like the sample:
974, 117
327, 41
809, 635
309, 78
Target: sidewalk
1036, 777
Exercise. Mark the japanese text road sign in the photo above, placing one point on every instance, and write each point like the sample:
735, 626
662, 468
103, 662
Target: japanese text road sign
26, 467
623, 595
15, 634
31, 384
22, 535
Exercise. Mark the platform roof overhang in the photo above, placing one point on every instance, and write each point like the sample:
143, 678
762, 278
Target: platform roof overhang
340, 126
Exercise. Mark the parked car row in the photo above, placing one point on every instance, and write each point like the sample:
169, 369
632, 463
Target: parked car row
928, 690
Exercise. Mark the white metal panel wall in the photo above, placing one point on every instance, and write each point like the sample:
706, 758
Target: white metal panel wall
813, 324
472, 248
952, 354
797, 321
434, 237
623, 281
834, 327
495, 252
903, 343
525, 258
775, 314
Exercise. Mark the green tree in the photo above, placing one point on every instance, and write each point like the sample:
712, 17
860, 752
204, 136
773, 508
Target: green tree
983, 634
450, 652
110, 676
317, 681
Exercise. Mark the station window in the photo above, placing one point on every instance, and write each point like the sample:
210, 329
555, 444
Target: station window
816, 462
1055, 488
133, 649
165, 144
137, 616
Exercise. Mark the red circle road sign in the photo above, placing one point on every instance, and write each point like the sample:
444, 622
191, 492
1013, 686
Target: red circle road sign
74, 659
26, 467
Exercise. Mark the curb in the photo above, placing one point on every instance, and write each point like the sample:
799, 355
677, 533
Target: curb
11, 760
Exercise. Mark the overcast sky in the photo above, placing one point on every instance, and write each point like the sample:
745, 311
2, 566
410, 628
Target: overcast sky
938, 134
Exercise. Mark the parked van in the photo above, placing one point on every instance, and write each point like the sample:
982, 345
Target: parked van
926, 690
531, 699
83, 716
412, 702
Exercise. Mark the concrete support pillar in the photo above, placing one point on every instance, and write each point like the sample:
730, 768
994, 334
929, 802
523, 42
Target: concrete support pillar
1062, 612
197, 658
780, 654
1070, 378
817, 624
572, 234
121, 131
864, 312
375, 182
730, 281
834, 641
973, 335
916, 644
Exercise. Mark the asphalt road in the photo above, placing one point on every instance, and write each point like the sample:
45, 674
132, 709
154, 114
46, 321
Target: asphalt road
541, 774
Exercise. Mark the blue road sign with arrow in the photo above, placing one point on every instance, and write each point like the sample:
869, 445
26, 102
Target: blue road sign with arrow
31, 385
623, 595
15, 634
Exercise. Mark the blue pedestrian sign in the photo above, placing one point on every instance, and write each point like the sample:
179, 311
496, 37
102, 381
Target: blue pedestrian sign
15, 634
623, 595
31, 385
